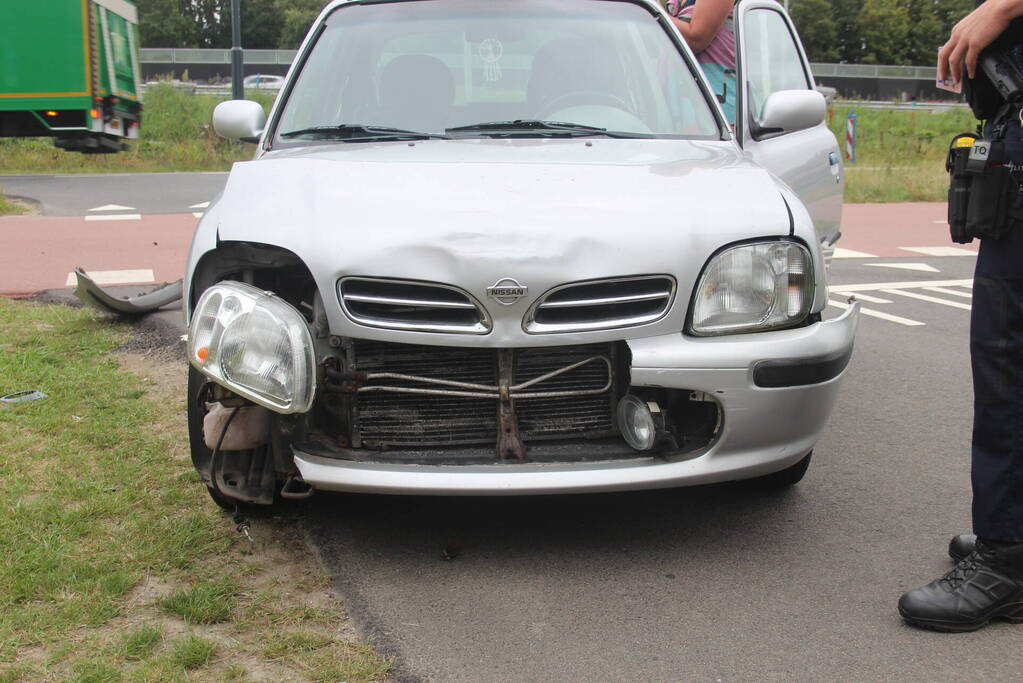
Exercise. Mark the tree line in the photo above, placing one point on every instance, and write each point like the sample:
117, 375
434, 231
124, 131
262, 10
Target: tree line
266, 24
853, 31
876, 31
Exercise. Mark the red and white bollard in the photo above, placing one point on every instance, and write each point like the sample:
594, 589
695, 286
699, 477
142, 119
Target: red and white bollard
850, 137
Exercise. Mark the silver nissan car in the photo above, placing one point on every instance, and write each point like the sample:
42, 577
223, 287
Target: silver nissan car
514, 247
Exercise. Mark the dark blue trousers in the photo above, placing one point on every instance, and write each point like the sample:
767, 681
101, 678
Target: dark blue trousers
996, 352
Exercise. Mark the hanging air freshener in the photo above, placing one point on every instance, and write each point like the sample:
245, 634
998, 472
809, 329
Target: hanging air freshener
490, 52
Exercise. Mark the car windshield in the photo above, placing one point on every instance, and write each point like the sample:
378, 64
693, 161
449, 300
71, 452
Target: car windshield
502, 68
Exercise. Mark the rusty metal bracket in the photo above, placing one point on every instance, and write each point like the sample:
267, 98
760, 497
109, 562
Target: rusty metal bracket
296, 489
344, 382
509, 441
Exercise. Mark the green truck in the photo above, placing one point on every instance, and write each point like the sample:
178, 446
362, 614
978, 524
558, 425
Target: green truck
70, 69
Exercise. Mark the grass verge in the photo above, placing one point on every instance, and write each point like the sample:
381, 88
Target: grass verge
115, 564
176, 135
8, 208
900, 153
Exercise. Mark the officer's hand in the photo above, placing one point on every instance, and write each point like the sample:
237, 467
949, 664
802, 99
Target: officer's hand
971, 35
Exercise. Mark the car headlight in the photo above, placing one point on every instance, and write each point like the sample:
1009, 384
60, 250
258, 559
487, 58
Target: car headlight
256, 345
752, 288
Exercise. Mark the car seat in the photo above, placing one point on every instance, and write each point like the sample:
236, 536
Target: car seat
416, 93
565, 66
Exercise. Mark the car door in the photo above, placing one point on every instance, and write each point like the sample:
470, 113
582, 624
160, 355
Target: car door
770, 58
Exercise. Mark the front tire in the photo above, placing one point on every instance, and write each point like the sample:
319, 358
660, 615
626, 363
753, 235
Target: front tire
224, 502
790, 476
246, 477
201, 455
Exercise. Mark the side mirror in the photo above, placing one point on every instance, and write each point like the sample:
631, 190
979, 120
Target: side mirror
239, 120
787, 111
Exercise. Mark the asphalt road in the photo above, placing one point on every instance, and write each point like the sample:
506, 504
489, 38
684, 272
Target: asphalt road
148, 193
711, 583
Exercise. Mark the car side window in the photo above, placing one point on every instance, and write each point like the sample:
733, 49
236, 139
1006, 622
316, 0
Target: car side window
772, 58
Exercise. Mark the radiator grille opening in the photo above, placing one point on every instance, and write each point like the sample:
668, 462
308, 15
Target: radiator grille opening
409, 305
392, 419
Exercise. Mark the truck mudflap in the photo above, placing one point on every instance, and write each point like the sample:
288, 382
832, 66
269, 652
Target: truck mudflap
94, 295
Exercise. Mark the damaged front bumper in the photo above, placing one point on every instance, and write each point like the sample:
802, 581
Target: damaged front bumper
775, 391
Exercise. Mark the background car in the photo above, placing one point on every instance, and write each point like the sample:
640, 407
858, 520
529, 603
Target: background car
263, 81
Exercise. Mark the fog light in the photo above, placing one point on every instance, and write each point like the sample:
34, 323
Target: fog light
636, 423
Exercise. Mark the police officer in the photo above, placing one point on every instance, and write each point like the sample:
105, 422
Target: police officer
987, 581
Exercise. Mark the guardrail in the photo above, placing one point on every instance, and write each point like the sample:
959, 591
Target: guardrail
913, 73
154, 55
159, 55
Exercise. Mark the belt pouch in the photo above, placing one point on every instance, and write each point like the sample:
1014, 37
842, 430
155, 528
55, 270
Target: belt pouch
992, 201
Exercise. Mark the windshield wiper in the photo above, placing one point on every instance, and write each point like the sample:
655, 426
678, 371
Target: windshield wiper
537, 127
357, 132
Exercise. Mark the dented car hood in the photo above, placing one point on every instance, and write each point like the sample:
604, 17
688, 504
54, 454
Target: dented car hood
470, 213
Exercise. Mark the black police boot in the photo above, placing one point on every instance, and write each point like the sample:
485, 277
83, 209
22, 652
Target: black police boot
987, 584
962, 545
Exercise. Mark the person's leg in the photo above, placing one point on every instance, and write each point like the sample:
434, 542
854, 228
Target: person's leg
988, 583
996, 352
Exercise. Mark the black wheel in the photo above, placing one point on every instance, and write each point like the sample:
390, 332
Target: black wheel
201, 455
787, 477
249, 475
225, 502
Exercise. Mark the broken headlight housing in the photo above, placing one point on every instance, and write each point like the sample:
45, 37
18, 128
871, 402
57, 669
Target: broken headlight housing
753, 287
255, 344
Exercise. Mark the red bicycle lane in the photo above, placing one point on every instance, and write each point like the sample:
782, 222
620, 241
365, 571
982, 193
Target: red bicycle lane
39, 252
895, 230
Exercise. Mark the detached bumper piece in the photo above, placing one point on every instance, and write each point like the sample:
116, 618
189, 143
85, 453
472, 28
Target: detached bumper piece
94, 295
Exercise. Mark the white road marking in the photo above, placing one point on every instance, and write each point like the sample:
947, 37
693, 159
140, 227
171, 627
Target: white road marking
878, 286
114, 277
200, 205
943, 221
851, 253
925, 297
78, 176
919, 267
953, 292
940, 251
113, 207
862, 297
115, 217
878, 314
197, 215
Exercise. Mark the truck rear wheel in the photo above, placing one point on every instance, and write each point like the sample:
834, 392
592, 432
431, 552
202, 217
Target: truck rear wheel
91, 144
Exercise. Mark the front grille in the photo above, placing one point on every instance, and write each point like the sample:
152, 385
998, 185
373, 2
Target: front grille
395, 418
409, 305
602, 304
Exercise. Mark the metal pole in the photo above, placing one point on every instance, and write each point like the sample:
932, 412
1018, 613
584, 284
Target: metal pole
237, 91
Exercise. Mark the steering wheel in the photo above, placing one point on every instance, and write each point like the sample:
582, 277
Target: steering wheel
582, 97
